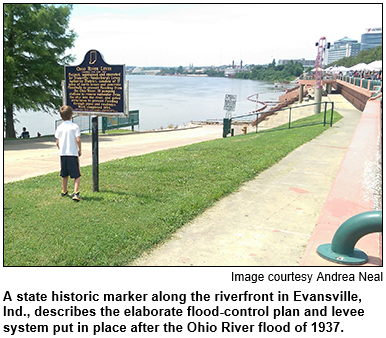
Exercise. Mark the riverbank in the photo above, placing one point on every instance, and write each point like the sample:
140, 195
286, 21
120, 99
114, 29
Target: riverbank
166, 100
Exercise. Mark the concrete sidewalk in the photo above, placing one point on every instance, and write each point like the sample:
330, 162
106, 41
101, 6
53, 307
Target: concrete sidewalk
38, 156
269, 221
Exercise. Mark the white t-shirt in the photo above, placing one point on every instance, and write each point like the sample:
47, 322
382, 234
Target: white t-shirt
67, 132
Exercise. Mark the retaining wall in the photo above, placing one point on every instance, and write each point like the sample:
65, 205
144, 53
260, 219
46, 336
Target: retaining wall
354, 94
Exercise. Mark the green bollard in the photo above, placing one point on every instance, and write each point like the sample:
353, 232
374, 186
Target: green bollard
341, 250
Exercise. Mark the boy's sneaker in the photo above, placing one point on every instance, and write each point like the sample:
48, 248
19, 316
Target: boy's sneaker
76, 196
64, 193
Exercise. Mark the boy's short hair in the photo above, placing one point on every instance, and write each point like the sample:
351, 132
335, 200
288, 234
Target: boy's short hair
65, 112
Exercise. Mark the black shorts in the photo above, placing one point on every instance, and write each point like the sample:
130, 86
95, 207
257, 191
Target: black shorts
69, 166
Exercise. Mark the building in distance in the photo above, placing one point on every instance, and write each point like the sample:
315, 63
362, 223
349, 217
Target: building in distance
345, 47
231, 71
304, 62
372, 38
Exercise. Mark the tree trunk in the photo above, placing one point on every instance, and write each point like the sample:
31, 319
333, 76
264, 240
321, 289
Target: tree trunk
9, 127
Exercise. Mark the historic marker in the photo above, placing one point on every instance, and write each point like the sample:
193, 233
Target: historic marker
95, 87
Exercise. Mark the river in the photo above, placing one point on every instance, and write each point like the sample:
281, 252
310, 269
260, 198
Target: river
170, 100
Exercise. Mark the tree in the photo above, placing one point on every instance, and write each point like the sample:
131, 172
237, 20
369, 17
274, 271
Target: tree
180, 70
35, 37
287, 72
272, 65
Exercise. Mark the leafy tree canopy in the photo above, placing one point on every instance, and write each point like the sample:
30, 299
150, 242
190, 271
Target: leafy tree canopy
287, 72
365, 56
35, 39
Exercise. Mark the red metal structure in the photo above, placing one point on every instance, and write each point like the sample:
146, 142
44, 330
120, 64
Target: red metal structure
322, 45
265, 103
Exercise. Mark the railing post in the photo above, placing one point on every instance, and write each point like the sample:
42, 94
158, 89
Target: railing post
325, 113
332, 113
104, 124
289, 120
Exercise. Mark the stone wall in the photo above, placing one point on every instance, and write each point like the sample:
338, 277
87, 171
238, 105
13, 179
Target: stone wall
290, 97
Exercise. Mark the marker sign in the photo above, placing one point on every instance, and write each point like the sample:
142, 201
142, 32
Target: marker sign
95, 87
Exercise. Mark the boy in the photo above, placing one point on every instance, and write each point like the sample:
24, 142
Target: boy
70, 148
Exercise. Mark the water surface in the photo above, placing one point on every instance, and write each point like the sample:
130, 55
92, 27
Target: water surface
170, 100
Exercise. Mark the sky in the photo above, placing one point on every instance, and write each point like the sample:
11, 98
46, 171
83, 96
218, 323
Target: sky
172, 35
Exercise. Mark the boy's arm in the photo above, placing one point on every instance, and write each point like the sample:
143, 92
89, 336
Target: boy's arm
79, 143
57, 143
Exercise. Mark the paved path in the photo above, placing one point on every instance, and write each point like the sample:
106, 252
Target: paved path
33, 157
269, 221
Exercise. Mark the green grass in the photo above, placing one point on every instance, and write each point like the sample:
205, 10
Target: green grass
141, 202
114, 131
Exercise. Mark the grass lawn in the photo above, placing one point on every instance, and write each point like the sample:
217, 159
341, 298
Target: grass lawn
141, 202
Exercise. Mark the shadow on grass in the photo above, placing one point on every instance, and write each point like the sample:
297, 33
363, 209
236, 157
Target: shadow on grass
114, 192
292, 126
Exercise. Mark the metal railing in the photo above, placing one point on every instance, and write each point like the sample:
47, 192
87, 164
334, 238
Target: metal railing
369, 84
105, 123
115, 122
365, 83
287, 116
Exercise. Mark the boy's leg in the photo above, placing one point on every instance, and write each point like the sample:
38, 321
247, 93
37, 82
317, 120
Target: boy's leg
74, 171
64, 184
64, 174
76, 184
75, 195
